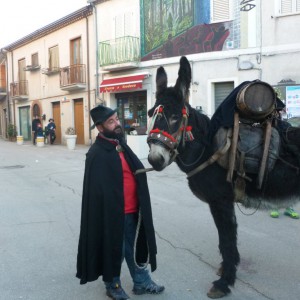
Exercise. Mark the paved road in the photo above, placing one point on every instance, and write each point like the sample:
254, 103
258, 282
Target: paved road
40, 201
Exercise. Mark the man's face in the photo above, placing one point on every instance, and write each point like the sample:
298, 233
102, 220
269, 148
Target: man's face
111, 128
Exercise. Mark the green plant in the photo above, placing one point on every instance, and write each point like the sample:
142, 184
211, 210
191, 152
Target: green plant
11, 130
70, 131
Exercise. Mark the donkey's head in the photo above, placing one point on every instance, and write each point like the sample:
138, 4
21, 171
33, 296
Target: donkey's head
168, 116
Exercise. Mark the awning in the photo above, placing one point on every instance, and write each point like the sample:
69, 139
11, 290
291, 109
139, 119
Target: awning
119, 84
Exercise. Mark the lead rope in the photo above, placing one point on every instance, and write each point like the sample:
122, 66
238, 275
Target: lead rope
138, 226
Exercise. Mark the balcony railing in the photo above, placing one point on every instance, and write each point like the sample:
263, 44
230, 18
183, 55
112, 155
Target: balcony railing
19, 90
72, 77
119, 51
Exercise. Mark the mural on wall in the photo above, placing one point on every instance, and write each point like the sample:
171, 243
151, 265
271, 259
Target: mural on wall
180, 27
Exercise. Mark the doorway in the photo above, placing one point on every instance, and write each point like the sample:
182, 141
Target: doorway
79, 121
57, 121
24, 123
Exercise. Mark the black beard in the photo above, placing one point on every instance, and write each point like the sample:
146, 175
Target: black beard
117, 133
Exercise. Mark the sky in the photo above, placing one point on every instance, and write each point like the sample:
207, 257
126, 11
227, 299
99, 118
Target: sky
19, 18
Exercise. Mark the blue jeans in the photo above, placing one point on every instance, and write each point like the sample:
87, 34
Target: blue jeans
139, 276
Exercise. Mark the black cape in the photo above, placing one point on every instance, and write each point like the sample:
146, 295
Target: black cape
102, 214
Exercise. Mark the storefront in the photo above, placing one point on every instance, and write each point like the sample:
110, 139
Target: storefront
131, 102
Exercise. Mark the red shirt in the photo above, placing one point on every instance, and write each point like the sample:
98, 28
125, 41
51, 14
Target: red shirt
129, 184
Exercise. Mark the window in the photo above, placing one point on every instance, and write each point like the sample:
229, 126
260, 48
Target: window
222, 90
76, 52
35, 59
53, 58
220, 10
124, 25
288, 6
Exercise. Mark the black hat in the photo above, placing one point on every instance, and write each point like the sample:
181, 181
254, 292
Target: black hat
51, 120
100, 114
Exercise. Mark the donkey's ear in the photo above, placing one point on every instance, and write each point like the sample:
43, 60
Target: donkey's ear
183, 82
151, 111
161, 80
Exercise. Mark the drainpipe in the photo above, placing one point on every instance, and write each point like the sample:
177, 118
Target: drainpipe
89, 78
4, 52
92, 2
13, 80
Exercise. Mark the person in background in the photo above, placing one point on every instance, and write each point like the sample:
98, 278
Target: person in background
116, 214
282, 126
51, 127
289, 211
34, 128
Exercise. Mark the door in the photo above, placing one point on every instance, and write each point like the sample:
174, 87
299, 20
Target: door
22, 77
79, 121
75, 61
57, 121
132, 111
25, 126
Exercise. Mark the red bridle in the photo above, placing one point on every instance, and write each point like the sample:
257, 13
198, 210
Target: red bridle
171, 141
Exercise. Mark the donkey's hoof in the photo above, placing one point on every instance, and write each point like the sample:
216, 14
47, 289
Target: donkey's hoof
215, 293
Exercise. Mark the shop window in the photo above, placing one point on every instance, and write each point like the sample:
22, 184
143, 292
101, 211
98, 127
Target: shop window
132, 111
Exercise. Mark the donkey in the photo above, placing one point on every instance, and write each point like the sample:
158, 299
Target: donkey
177, 132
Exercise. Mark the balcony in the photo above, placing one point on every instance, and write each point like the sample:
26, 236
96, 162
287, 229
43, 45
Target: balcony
19, 90
50, 71
32, 68
119, 54
72, 77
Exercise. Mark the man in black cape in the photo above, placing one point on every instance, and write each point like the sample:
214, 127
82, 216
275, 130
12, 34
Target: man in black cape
116, 216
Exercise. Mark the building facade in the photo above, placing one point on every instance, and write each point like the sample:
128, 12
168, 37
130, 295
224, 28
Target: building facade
108, 52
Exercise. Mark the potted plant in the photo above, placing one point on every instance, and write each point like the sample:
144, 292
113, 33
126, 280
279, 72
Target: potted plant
70, 135
12, 132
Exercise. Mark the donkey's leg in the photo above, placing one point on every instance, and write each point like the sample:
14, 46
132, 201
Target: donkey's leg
225, 220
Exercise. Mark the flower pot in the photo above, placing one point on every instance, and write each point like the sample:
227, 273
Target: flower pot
20, 140
40, 141
71, 141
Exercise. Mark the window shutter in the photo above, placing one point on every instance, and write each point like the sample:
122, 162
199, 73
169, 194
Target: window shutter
53, 58
220, 10
35, 59
222, 90
286, 6
298, 5
124, 24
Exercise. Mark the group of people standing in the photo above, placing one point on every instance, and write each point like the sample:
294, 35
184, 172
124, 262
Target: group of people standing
37, 130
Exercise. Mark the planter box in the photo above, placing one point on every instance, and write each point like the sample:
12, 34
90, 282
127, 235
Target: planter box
71, 141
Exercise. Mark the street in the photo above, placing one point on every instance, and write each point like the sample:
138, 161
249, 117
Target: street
40, 206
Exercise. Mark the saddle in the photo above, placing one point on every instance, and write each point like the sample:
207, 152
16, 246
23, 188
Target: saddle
255, 144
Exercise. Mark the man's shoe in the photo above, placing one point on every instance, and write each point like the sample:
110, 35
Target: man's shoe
150, 288
291, 213
116, 293
274, 214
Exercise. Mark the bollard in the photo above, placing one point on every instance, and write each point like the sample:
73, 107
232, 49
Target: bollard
40, 142
20, 140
